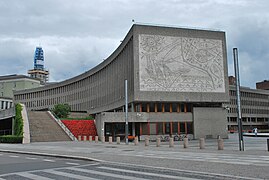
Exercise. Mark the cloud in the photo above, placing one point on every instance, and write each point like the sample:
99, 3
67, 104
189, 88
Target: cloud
77, 35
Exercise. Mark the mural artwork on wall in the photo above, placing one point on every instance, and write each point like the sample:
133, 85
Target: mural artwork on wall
180, 64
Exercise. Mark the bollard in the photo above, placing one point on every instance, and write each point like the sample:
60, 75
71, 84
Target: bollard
136, 141
147, 141
158, 142
268, 144
84, 138
110, 139
96, 139
171, 142
103, 139
79, 138
202, 143
118, 140
185, 144
220, 144
90, 138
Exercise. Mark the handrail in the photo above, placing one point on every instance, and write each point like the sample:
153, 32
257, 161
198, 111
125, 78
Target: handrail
66, 130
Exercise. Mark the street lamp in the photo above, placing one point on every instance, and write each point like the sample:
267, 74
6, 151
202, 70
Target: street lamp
239, 114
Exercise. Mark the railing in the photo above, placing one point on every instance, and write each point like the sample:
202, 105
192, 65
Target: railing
66, 130
6, 132
7, 113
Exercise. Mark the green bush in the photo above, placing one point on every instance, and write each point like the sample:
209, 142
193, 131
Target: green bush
18, 125
86, 118
61, 110
11, 139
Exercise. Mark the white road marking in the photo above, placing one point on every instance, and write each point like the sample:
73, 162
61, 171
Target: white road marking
146, 173
48, 160
69, 175
70, 163
14, 156
31, 158
33, 176
104, 173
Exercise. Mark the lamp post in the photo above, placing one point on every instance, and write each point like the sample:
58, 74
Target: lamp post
126, 112
239, 114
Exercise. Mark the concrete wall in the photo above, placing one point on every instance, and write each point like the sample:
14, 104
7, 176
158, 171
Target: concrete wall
210, 122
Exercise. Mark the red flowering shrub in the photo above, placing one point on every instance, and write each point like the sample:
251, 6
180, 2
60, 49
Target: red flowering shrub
81, 128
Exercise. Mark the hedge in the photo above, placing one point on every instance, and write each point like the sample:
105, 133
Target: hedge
18, 126
11, 139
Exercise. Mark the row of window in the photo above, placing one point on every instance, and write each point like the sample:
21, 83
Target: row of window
250, 102
98, 89
163, 107
248, 119
250, 111
249, 94
5, 104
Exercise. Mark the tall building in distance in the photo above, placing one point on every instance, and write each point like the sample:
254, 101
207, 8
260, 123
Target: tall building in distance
39, 71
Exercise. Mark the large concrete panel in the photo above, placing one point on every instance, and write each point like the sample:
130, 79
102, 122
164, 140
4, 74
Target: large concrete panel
210, 122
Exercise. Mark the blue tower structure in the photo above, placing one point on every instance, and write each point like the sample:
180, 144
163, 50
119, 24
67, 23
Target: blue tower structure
39, 71
39, 59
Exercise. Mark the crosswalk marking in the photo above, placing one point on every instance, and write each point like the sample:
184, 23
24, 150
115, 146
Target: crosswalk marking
32, 176
14, 156
75, 164
48, 160
104, 173
69, 175
146, 173
31, 158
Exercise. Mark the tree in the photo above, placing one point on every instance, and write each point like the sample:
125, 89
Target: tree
61, 110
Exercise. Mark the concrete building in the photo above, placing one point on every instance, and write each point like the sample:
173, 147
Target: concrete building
15, 82
263, 85
177, 84
254, 108
39, 71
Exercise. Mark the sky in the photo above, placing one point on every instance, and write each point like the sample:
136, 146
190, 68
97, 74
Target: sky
76, 35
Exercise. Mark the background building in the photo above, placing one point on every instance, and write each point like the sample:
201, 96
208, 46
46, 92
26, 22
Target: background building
39, 71
177, 84
263, 85
254, 104
15, 82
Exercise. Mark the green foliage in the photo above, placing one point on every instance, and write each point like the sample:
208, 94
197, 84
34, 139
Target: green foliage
61, 110
18, 126
11, 139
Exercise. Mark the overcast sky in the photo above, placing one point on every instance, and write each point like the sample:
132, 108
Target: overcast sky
76, 35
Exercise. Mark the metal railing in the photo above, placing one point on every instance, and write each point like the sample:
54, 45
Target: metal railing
66, 130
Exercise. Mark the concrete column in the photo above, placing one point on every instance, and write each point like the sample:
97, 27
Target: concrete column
96, 139
158, 142
202, 143
171, 142
84, 138
136, 141
118, 140
220, 144
110, 139
103, 139
79, 138
185, 144
90, 138
147, 141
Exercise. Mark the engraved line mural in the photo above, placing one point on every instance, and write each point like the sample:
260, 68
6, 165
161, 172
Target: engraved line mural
180, 64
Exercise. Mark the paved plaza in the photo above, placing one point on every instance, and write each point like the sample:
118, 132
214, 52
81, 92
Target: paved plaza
253, 163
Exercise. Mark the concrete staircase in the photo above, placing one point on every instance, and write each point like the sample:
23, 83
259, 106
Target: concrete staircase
43, 128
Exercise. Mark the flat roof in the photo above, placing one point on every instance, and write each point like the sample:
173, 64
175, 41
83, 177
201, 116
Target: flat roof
16, 76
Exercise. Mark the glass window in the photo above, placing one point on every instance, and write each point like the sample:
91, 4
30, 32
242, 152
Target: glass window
159, 107
175, 127
166, 107
182, 128
144, 107
167, 128
152, 107
181, 107
174, 107
159, 128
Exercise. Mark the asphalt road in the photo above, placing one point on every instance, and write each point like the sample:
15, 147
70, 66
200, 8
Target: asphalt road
19, 166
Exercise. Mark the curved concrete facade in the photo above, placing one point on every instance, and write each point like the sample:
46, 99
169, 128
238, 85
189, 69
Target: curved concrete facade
167, 69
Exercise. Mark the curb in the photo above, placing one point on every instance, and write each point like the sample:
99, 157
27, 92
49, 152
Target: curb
52, 155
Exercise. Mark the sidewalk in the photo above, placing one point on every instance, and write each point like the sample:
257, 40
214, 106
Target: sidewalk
91, 150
